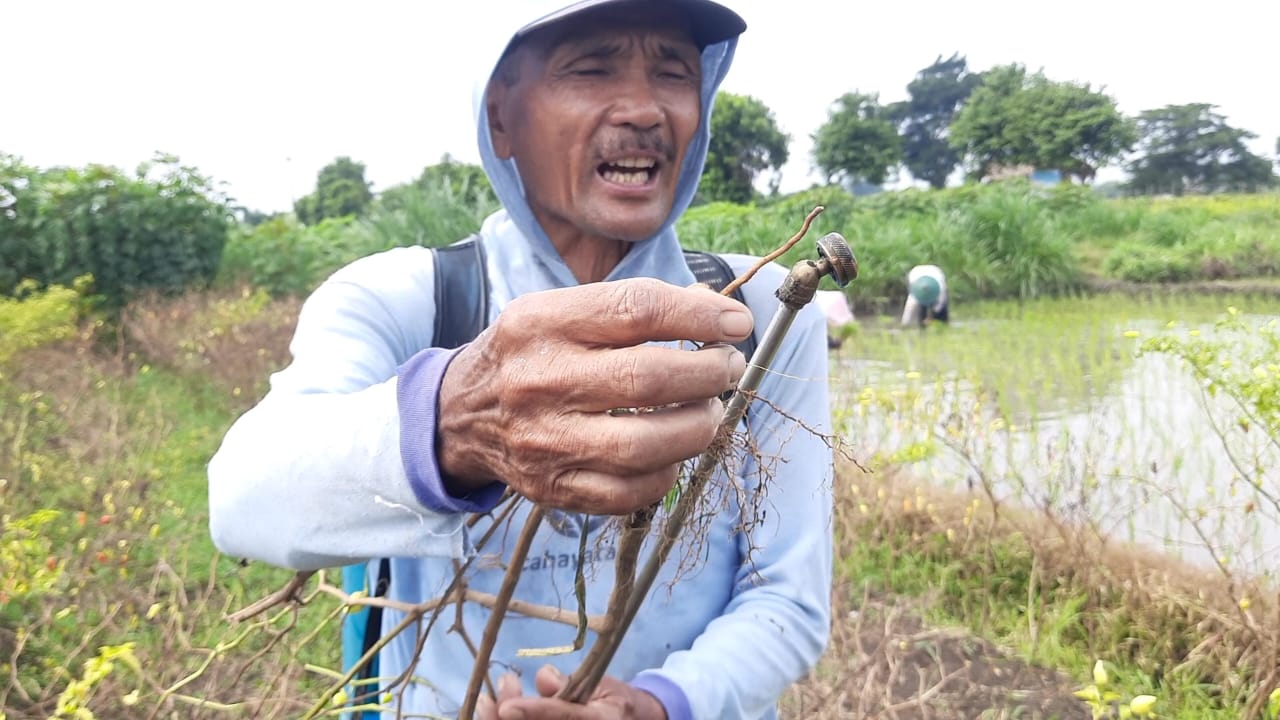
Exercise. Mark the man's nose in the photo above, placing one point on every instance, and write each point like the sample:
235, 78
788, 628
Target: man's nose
637, 105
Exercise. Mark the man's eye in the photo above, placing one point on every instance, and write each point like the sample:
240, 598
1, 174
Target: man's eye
590, 72
674, 71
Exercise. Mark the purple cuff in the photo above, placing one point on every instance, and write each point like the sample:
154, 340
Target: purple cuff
418, 398
673, 699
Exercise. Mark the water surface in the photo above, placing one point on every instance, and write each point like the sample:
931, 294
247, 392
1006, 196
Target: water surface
1052, 404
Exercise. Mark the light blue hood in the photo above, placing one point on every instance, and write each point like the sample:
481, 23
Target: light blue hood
659, 256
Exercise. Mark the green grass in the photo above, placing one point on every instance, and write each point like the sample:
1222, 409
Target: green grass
117, 448
987, 594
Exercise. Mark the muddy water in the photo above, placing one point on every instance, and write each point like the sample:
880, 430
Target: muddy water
1053, 407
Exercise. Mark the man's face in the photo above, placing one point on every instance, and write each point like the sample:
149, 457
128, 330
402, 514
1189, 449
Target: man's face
598, 117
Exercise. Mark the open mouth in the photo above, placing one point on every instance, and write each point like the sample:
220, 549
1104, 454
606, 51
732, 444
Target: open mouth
634, 171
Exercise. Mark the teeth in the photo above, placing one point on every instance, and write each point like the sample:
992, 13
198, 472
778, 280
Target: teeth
626, 178
634, 162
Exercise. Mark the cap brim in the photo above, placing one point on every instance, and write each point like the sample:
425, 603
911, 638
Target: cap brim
710, 22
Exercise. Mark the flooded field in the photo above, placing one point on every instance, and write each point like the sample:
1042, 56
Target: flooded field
1054, 405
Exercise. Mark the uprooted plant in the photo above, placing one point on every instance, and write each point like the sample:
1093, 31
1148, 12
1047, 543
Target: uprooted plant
685, 507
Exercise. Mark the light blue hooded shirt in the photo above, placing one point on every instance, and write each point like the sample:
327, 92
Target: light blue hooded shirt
336, 466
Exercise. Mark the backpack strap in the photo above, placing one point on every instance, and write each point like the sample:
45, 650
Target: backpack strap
462, 286
713, 270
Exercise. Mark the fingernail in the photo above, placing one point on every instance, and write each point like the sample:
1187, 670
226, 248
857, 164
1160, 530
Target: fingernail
508, 684
737, 365
484, 705
735, 323
511, 714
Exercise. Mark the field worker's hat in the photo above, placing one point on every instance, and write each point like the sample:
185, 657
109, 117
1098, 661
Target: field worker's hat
925, 290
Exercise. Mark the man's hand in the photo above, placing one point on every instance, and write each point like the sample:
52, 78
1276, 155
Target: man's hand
613, 700
526, 403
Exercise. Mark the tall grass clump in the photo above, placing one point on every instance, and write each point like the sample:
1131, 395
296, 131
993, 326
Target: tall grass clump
999, 240
1010, 235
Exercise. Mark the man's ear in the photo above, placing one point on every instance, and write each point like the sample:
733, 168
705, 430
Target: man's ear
495, 102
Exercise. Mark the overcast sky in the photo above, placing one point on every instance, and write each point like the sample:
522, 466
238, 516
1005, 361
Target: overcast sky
261, 94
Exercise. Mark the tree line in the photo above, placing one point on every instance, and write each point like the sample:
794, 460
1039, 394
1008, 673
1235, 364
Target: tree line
954, 123
986, 124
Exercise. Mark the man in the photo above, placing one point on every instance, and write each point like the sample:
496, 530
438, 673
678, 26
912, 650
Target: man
593, 129
926, 296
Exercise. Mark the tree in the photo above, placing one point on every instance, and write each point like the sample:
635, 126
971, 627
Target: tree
858, 143
745, 141
463, 182
1190, 148
162, 227
935, 96
1013, 118
341, 190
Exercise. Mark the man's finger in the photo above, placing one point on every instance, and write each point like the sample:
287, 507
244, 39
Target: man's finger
548, 680
598, 493
647, 376
634, 311
509, 687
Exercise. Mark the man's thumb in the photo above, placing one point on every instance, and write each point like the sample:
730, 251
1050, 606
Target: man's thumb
549, 680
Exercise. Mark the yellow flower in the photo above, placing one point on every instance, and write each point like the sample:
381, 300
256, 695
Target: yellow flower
1089, 694
131, 698
1142, 705
154, 610
1131, 333
340, 698
1245, 603
1100, 674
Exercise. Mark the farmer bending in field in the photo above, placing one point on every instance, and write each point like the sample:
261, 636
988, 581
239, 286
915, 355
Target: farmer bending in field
926, 296
373, 443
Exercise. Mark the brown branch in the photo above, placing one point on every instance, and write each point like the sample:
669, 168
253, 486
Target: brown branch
579, 688
516, 563
288, 593
450, 592
782, 250
595, 623
583, 682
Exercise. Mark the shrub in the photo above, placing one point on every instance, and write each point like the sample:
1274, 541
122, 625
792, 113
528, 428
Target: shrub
162, 228
1141, 263
39, 316
283, 256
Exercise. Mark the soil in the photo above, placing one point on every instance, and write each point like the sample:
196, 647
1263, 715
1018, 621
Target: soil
884, 661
